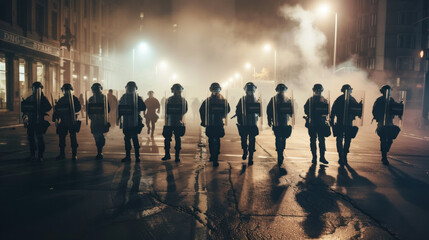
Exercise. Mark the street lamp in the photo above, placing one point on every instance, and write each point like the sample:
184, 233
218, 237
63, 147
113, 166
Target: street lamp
267, 48
324, 10
163, 65
248, 66
143, 48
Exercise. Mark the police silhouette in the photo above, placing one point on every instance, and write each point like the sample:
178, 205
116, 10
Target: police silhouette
152, 108
384, 110
247, 111
343, 112
129, 108
279, 112
34, 109
98, 109
317, 111
212, 112
176, 107
65, 117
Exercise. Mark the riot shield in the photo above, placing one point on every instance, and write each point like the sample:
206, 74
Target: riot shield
283, 109
215, 110
97, 106
128, 110
318, 107
31, 107
398, 109
251, 109
175, 110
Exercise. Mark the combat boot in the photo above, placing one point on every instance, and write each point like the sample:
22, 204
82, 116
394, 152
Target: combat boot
137, 155
322, 157
167, 155
250, 162
74, 154
384, 158
215, 160
99, 154
62, 154
314, 153
177, 156
127, 157
244, 157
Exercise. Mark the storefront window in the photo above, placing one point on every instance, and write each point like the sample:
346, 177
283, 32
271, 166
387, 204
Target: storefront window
2, 82
41, 73
23, 78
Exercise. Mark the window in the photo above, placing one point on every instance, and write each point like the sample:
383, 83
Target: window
23, 79
54, 25
406, 41
373, 20
40, 71
23, 14
406, 18
94, 9
40, 18
3, 89
372, 41
6, 10
404, 63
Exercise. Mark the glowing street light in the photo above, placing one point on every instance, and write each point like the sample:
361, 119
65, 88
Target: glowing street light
324, 10
267, 48
247, 66
142, 47
174, 76
237, 75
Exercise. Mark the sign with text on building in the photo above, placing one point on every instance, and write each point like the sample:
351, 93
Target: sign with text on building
29, 43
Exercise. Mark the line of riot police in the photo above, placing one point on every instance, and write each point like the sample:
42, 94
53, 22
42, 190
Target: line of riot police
344, 118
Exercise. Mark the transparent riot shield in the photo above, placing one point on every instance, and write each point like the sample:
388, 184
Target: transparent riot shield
97, 107
355, 101
318, 108
283, 109
128, 110
216, 110
251, 109
175, 110
30, 106
398, 108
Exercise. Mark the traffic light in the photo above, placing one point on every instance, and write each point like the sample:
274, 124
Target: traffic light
424, 54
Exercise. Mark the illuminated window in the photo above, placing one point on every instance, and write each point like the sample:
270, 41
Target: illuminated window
3, 82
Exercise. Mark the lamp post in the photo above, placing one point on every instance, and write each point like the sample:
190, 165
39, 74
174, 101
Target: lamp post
267, 48
324, 9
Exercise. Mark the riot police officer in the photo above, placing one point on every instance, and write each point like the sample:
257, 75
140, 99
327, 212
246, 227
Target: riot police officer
98, 110
384, 110
317, 110
212, 112
343, 128
34, 109
65, 111
129, 108
247, 111
279, 112
176, 106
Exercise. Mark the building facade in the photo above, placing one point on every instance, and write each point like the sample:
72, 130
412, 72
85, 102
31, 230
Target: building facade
34, 35
384, 37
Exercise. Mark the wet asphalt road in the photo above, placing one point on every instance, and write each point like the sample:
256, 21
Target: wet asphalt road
107, 199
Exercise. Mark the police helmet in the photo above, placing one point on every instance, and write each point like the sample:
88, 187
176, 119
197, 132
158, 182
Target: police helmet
37, 85
131, 84
384, 88
215, 87
176, 86
67, 86
346, 86
318, 86
250, 87
96, 87
281, 87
